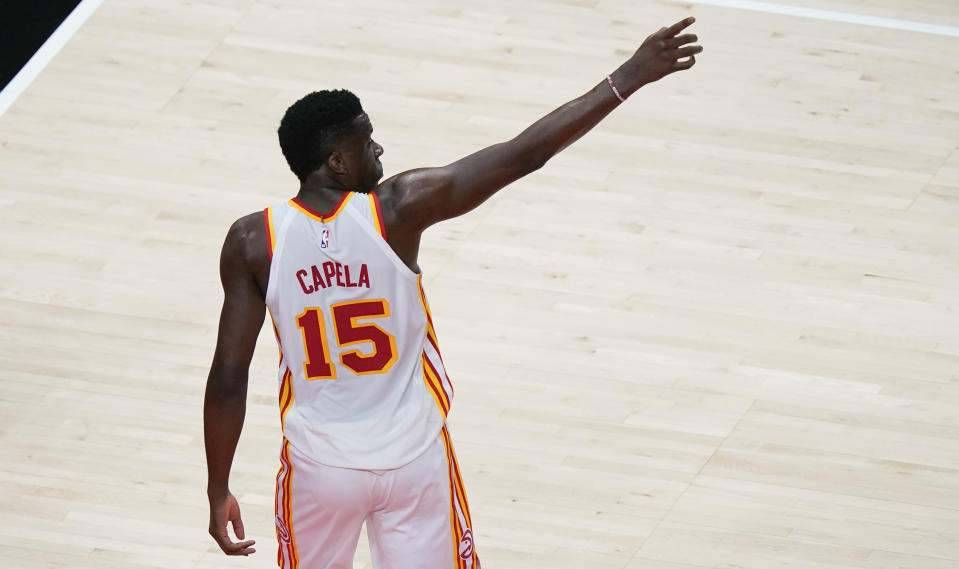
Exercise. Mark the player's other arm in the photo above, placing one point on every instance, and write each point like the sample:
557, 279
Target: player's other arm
426, 196
224, 405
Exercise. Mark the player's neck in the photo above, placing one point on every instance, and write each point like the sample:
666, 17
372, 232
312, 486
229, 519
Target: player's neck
321, 192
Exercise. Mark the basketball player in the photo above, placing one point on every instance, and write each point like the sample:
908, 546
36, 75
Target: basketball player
363, 390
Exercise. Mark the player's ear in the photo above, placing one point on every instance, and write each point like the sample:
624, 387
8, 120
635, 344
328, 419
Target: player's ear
336, 163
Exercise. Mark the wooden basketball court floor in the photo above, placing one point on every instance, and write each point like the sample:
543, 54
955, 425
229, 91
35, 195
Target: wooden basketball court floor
721, 331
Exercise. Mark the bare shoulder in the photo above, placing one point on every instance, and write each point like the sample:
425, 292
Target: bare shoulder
406, 197
246, 246
247, 235
391, 192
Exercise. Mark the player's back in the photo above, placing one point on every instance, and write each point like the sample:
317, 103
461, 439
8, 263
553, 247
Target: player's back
362, 384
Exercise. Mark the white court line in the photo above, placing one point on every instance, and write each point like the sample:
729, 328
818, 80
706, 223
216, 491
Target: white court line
47, 51
848, 17
65, 31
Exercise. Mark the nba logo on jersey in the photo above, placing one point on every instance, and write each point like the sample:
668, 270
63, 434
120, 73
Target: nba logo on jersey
325, 239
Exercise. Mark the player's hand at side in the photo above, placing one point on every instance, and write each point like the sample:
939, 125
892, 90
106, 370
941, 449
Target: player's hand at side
662, 53
225, 509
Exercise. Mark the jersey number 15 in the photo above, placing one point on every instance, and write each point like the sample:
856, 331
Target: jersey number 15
379, 353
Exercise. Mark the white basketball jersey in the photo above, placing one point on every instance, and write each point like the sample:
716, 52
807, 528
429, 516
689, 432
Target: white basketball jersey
362, 384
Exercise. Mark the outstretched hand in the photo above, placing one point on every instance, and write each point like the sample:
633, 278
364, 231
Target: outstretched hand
662, 53
226, 509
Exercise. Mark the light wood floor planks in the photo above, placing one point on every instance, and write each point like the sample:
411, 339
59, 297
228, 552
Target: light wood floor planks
720, 331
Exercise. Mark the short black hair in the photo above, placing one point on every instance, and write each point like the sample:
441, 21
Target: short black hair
311, 123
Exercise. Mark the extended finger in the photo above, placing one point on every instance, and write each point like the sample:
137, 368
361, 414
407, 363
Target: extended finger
681, 40
680, 65
242, 548
228, 546
687, 51
677, 27
238, 548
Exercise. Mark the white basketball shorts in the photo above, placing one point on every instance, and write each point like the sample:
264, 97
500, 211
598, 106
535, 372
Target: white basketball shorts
416, 515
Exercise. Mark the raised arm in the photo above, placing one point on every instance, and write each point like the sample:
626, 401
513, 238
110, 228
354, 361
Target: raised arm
224, 406
425, 196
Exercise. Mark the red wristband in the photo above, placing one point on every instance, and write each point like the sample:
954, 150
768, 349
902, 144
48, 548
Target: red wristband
609, 79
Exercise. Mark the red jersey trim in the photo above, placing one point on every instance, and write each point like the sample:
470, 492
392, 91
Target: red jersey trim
377, 214
324, 217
